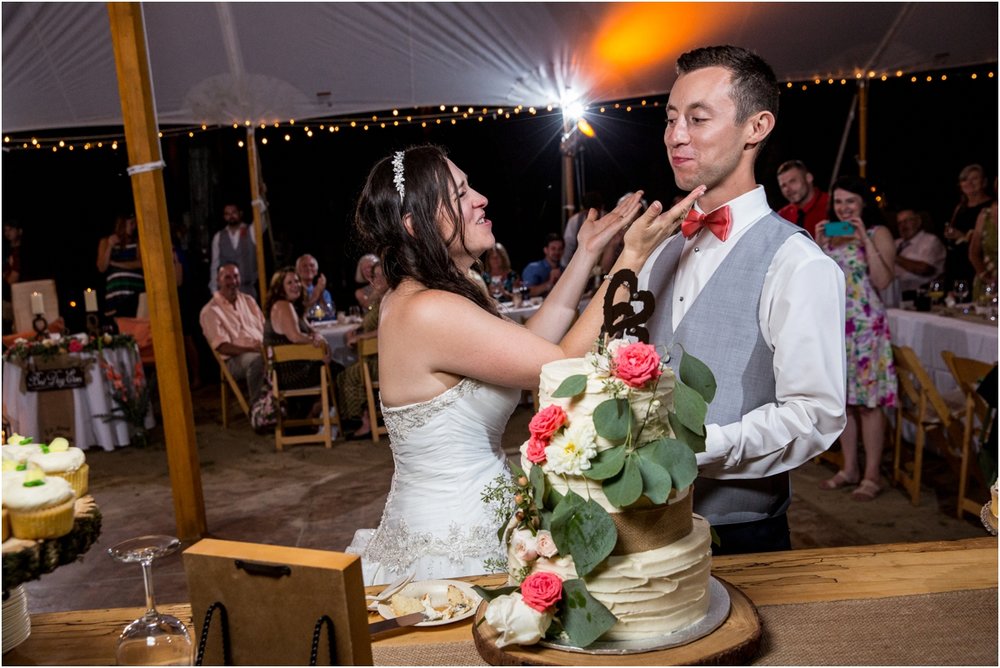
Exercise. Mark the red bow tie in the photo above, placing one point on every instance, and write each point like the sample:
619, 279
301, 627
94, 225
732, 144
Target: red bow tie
719, 222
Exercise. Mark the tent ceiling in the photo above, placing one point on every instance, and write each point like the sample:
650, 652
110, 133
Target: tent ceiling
220, 62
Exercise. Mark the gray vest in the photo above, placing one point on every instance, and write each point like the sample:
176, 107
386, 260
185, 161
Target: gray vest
244, 255
722, 329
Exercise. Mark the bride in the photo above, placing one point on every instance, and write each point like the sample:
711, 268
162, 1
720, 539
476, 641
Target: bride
451, 368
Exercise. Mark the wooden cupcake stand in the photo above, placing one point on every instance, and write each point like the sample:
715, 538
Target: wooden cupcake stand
735, 642
26, 560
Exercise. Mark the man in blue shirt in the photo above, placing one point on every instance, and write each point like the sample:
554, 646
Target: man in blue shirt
540, 276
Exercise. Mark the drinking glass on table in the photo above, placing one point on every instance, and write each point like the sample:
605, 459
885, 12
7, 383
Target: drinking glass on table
354, 313
155, 639
935, 290
962, 294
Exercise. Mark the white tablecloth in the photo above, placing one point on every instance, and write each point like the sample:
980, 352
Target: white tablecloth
89, 401
335, 334
928, 334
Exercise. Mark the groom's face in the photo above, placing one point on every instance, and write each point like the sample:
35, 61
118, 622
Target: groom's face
704, 142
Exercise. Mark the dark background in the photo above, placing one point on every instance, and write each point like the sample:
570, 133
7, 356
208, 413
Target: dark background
920, 136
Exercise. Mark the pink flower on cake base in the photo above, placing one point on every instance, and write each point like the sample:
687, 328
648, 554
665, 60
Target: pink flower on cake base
637, 363
524, 546
547, 422
534, 451
74, 346
572, 449
515, 621
542, 590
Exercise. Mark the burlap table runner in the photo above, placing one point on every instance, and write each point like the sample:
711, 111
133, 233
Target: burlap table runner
955, 628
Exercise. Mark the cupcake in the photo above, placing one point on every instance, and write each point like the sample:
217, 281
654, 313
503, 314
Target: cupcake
19, 448
40, 506
59, 460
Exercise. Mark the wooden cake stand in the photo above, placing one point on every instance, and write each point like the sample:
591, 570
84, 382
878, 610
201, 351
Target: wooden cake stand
735, 642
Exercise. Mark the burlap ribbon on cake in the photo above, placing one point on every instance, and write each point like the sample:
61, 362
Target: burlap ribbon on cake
642, 529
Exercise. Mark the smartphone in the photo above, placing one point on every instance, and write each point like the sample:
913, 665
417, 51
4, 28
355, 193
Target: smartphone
838, 228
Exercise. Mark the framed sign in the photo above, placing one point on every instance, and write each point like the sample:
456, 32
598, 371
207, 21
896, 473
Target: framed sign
45, 380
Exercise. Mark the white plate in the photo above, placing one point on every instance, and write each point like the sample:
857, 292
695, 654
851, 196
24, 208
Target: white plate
438, 589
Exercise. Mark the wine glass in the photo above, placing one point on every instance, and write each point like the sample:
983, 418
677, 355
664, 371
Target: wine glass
962, 294
354, 313
155, 639
935, 290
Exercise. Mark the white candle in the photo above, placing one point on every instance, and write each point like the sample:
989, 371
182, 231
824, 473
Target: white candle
37, 303
90, 300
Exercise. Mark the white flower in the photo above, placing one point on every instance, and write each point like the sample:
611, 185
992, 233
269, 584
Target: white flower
571, 450
544, 545
523, 544
515, 621
20, 340
564, 567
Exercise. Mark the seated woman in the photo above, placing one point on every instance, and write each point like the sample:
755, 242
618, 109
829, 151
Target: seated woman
285, 324
499, 277
350, 382
363, 276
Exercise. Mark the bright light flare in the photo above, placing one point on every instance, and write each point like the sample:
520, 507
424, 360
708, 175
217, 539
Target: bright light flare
573, 111
584, 127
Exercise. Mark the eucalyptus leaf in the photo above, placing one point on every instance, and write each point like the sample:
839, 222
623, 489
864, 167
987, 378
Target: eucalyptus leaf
715, 537
537, 479
571, 386
656, 481
490, 594
606, 464
552, 497
694, 441
613, 419
516, 471
583, 617
584, 530
625, 488
696, 375
690, 407
677, 457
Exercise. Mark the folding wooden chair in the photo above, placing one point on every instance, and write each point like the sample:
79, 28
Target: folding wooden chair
918, 402
368, 349
302, 352
975, 419
228, 383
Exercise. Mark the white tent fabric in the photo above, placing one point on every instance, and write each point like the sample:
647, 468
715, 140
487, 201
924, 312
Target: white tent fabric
265, 62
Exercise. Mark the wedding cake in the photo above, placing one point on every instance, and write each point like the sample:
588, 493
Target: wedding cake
603, 513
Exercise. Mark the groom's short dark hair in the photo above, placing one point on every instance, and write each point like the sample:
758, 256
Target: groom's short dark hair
755, 88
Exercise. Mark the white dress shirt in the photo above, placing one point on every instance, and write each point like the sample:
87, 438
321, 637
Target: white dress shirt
922, 247
801, 319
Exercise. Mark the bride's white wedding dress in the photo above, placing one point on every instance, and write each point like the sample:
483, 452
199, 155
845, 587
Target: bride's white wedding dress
445, 450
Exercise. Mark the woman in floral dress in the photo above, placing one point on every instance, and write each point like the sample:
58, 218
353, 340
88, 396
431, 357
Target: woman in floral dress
867, 257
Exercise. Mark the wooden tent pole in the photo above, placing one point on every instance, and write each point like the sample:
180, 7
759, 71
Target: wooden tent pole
258, 219
132, 65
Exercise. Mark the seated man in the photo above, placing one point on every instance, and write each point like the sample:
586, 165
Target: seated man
234, 326
920, 255
314, 285
540, 276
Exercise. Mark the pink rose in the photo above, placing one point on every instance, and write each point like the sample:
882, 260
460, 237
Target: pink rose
535, 452
636, 364
75, 346
541, 591
544, 544
547, 422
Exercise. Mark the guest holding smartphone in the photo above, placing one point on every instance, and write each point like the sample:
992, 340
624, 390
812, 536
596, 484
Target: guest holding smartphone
858, 240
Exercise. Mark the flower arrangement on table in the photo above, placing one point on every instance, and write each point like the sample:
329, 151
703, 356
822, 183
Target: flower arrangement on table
631, 445
51, 347
130, 397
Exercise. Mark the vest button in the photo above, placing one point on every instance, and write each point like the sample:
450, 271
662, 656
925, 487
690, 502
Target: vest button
696, 249
680, 299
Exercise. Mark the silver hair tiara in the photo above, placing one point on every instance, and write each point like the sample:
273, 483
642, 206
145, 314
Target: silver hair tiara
397, 174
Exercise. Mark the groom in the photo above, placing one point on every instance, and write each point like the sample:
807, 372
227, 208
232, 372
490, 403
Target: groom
752, 296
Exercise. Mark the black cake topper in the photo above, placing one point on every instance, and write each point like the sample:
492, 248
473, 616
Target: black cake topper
621, 318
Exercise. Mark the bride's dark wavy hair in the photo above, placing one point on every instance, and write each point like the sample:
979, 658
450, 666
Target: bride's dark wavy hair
422, 255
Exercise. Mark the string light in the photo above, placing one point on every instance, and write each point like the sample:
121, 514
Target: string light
452, 114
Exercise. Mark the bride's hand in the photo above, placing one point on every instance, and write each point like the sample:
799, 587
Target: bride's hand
652, 227
595, 234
